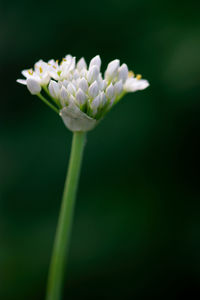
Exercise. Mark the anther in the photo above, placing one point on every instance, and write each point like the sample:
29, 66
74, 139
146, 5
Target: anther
131, 74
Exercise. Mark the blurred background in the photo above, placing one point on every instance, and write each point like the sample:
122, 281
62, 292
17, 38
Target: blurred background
136, 231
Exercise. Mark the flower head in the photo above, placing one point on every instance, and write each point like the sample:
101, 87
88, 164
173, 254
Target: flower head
82, 95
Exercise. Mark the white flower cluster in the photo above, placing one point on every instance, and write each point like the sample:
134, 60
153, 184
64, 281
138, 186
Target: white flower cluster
81, 93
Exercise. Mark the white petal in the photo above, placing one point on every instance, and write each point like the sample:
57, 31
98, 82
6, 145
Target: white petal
53, 73
96, 61
101, 82
80, 96
118, 87
133, 84
93, 73
76, 74
33, 86
22, 81
81, 64
65, 83
83, 85
103, 99
63, 93
71, 89
54, 89
63, 96
27, 73
110, 91
83, 72
93, 90
123, 72
111, 71
95, 104
45, 79
71, 100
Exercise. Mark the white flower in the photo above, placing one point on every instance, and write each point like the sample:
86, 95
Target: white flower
81, 94
39, 77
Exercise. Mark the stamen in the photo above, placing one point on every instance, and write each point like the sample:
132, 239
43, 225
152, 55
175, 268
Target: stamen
131, 74
30, 72
139, 76
41, 70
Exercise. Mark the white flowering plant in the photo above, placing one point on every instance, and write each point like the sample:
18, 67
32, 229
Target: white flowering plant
82, 96
80, 93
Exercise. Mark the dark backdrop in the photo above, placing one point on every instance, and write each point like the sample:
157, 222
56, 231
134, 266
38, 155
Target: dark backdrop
137, 224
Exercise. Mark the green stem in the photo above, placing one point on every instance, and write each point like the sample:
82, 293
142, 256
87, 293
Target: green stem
56, 101
48, 103
61, 244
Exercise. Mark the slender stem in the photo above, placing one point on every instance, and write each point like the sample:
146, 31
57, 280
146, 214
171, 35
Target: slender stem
61, 244
48, 103
56, 101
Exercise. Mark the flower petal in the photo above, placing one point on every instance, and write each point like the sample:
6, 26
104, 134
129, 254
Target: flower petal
95, 61
133, 84
33, 86
111, 71
22, 81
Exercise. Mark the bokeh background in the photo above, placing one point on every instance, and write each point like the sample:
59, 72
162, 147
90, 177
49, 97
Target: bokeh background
136, 231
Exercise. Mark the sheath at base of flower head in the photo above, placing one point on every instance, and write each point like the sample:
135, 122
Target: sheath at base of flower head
82, 95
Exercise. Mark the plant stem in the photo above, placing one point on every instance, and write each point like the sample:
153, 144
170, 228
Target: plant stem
61, 244
48, 103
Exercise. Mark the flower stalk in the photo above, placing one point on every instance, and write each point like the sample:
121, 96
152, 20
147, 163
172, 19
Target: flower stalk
63, 232
81, 95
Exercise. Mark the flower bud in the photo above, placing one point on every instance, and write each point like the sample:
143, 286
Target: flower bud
54, 89
118, 87
110, 91
93, 73
63, 96
101, 82
80, 96
65, 83
63, 93
95, 104
123, 72
93, 90
71, 88
81, 64
103, 98
95, 61
83, 85
111, 71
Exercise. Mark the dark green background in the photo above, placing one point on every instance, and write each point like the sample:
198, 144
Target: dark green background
137, 224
